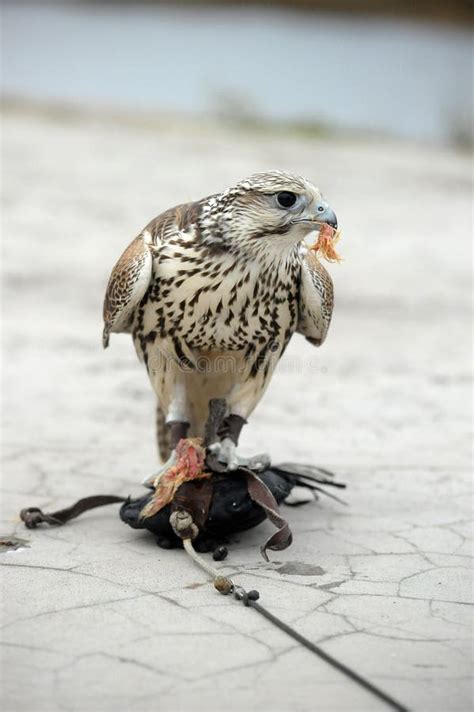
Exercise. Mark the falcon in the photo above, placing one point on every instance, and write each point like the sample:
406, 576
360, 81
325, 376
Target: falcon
212, 292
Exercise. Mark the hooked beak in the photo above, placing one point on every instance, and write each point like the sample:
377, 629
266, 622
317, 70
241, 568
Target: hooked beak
322, 214
325, 214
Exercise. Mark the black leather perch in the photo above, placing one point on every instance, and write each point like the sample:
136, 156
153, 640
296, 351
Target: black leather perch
230, 509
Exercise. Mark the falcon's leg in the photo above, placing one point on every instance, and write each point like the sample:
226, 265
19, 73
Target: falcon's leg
226, 449
241, 401
177, 429
178, 426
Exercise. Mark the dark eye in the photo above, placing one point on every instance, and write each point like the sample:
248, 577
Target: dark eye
286, 199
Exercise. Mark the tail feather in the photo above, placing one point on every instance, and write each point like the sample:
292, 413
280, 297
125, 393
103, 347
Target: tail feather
105, 336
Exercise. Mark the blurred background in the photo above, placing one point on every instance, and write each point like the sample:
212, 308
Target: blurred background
395, 68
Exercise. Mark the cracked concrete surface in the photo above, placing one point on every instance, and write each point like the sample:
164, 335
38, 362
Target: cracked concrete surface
95, 616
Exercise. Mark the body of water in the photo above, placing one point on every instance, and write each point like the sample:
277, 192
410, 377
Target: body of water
400, 78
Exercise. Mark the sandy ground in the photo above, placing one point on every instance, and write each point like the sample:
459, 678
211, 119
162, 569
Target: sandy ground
95, 617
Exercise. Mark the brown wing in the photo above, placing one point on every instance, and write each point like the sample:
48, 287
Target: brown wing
131, 275
127, 284
316, 300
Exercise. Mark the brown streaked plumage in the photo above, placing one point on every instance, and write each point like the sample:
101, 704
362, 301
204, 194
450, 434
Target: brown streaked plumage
127, 285
224, 280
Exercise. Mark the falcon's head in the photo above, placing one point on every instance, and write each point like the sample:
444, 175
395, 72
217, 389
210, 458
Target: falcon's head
267, 209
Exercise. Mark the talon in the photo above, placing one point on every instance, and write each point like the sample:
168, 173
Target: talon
227, 454
152, 481
225, 451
